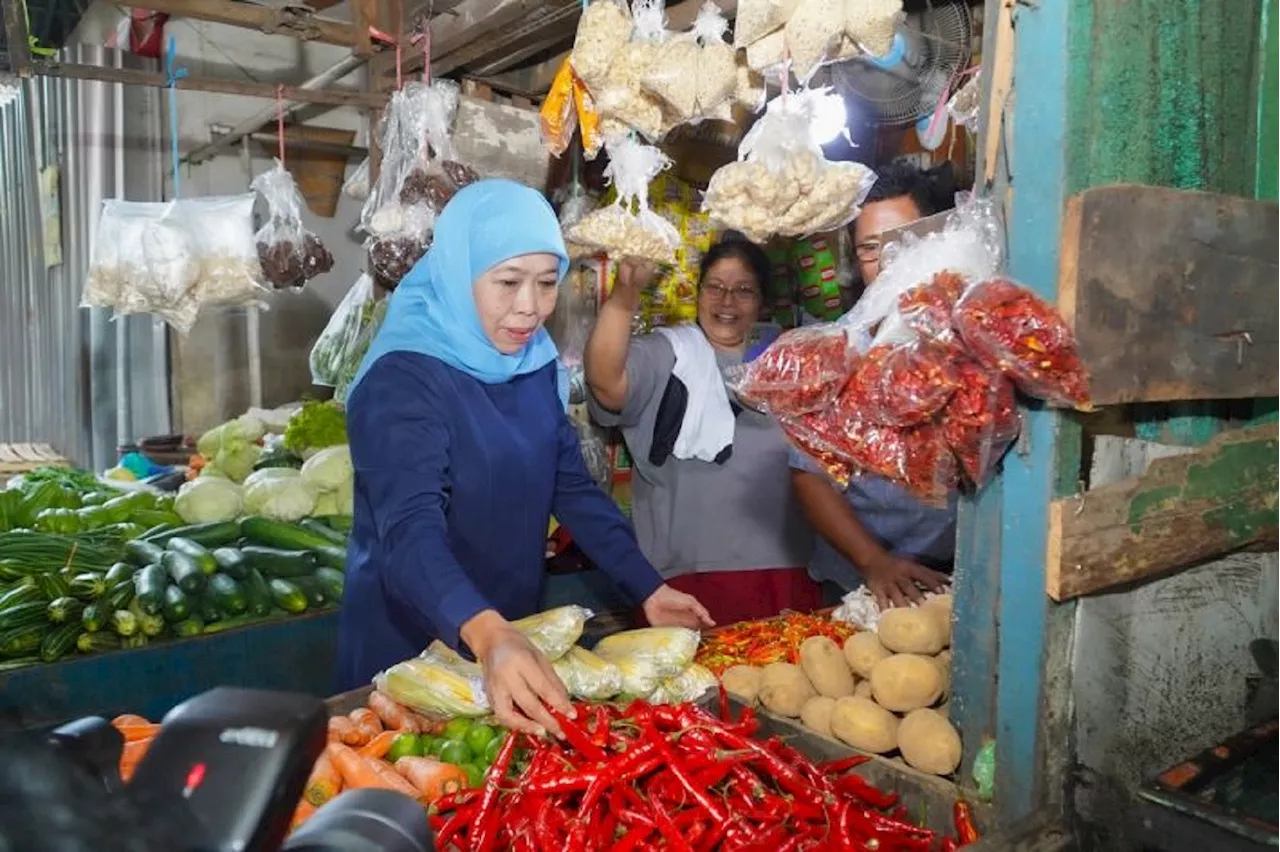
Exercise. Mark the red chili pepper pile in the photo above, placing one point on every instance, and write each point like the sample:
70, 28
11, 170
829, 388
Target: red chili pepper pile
673, 777
1011, 329
767, 640
800, 372
928, 308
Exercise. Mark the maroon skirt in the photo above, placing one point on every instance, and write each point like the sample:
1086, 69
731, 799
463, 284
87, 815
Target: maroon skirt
733, 596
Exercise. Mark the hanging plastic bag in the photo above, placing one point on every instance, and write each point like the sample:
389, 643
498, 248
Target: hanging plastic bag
749, 86
628, 227
587, 676
813, 34
927, 310
290, 254
603, 30
357, 186
588, 120
981, 420
622, 99
331, 349
228, 272
800, 372
903, 385
781, 183
1007, 327
695, 73
759, 18
717, 61
870, 24
557, 115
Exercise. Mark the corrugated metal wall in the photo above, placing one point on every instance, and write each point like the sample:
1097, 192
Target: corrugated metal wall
69, 376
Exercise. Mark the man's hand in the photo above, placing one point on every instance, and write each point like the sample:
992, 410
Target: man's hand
896, 581
519, 681
668, 608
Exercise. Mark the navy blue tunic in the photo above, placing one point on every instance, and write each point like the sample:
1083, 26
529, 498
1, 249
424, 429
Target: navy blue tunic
455, 485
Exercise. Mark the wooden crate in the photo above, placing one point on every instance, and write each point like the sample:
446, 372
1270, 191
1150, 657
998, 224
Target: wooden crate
16, 459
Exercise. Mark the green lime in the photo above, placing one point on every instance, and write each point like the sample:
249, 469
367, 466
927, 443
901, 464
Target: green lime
477, 739
405, 745
455, 752
432, 748
475, 775
493, 747
456, 729
428, 743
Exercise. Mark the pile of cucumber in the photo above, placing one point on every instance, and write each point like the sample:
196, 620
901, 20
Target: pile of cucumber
174, 583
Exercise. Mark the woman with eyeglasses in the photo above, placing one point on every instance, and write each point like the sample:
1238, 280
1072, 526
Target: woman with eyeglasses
711, 495
874, 532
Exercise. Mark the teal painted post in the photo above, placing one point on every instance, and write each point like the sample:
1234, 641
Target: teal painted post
1267, 184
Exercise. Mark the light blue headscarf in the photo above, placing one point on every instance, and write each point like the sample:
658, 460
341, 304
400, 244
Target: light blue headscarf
433, 311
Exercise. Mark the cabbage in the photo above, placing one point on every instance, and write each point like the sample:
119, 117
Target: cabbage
326, 504
278, 492
234, 464
231, 435
329, 469
209, 499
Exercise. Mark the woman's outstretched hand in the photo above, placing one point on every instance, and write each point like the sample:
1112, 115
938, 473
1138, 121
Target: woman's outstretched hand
519, 681
668, 608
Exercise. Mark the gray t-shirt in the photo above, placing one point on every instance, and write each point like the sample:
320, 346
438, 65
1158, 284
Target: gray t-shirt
695, 516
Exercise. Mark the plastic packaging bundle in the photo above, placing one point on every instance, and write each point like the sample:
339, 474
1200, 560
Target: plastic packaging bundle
927, 467
557, 115
648, 656
357, 186
927, 309
759, 18
555, 631
221, 228
813, 33
800, 372
781, 183
586, 675
981, 421
695, 74
690, 685
335, 348
603, 31
628, 227
622, 98
870, 24
436, 685
903, 385
290, 254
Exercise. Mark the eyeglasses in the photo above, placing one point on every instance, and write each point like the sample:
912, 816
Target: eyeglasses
741, 293
868, 252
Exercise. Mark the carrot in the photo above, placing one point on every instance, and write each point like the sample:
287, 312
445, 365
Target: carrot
129, 719
133, 733
301, 814
343, 730
324, 783
131, 756
431, 777
359, 772
367, 722
392, 714
380, 745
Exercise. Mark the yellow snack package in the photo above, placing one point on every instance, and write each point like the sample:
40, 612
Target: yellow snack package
558, 115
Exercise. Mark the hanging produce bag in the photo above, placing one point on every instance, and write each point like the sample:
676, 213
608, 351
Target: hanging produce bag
621, 97
695, 74
813, 35
290, 254
221, 234
557, 114
759, 18
628, 227
981, 420
870, 24
337, 353
603, 31
800, 372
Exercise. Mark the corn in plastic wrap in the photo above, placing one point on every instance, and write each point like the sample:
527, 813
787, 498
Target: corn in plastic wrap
649, 656
436, 685
690, 685
555, 631
587, 675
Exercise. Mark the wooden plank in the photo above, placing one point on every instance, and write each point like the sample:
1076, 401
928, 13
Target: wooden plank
1185, 510
1172, 293
133, 77
364, 13
291, 20
15, 33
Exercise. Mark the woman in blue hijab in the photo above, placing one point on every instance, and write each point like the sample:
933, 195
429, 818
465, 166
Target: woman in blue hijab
463, 450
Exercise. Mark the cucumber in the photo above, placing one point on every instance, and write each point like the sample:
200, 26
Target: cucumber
25, 591
64, 610
149, 585
15, 663
24, 615
340, 523
313, 590
324, 531
229, 595
124, 622
192, 626
207, 606
93, 643
120, 595
331, 557
60, 641
53, 585
119, 572
258, 594
232, 623
184, 571
142, 553
137, 640
278, 534
148, 625
11, 571
216, 534
195, 551
88, 586
283, 564
94, 617
177, 606
21, 641
232, 563
331, 582
287, 596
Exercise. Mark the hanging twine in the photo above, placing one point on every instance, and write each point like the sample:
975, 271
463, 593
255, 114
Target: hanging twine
280, 120
172, 75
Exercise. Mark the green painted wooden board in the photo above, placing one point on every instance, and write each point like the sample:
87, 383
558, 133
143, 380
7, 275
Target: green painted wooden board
1185, 510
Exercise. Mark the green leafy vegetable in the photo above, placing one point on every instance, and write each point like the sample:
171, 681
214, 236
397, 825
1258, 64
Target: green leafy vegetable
317, 426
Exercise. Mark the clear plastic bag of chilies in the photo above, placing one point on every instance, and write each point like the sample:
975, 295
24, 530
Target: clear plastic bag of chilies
628, 227
903, 384
800, 372
290, 254
981, 420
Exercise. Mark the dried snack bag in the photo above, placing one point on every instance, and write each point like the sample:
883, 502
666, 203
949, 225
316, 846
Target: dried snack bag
623, 99
800, 372
759, 18
870, 24
814, 33
717, 62
981, 420
290, 254
603, 31
673, 77
558, 115
813, 260
629, 227
1007, 327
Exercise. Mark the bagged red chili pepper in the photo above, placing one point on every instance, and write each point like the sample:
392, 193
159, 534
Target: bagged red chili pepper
812, 434
1009, 328
929, 469
902, 385
981, 421
927, 309
800, 372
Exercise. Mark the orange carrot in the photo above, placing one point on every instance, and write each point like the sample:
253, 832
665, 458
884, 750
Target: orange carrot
129, 719
324, 783
359, 772
301, 814
133, 733
431, 777
132, 756
379, 746
392, 714
343, 730
367, 723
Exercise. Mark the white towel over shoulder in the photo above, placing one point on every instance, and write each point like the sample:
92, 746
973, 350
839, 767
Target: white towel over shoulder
707, 428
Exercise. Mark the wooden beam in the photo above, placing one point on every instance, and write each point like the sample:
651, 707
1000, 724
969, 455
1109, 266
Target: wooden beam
1172, 293
1185, 510
15, 32
287, 20
132, 77
364, 13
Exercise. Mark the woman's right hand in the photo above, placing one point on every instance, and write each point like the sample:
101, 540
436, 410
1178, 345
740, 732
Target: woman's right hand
634, 275
519, 681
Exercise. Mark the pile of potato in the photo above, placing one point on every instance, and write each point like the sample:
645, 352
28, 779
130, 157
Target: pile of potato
883, 692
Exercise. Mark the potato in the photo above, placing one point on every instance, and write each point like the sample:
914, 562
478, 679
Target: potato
744, 682
862, 651
910, 631
826, 667
906, 682
943, 662
816, 714
940, 609
929, 742
863, 690
785, 688
865, 725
